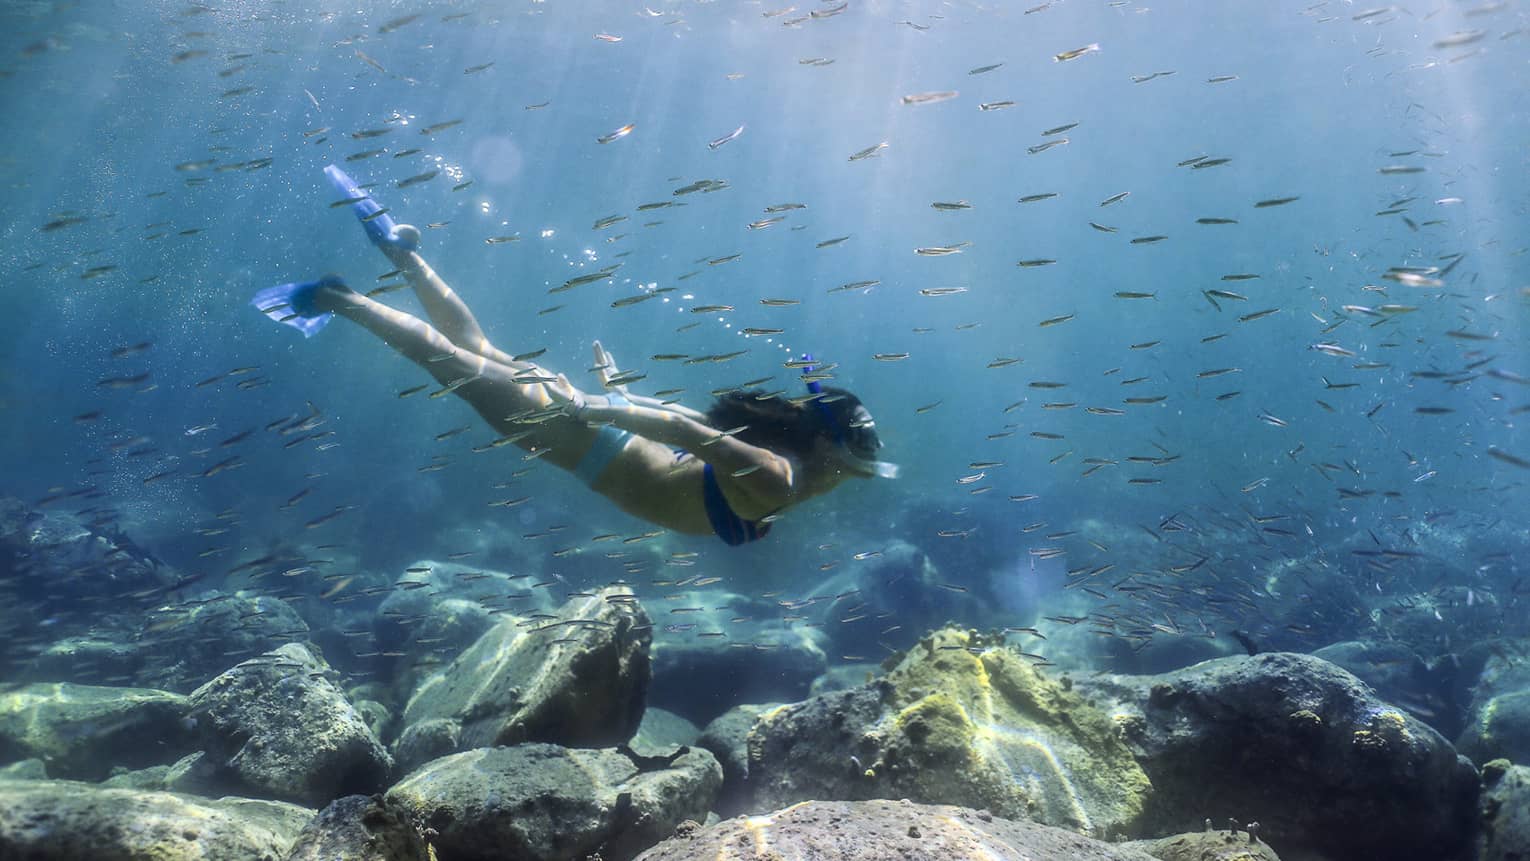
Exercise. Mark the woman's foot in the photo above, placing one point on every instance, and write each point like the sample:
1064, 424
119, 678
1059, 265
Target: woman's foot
328, 295
304, 305
381, 229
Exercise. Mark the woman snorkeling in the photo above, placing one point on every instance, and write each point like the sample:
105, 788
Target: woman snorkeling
730, 470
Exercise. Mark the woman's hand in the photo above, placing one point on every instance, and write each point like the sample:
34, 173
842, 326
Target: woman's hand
605, 368
564, 396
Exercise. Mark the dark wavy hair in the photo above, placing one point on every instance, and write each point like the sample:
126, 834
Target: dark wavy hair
791, 429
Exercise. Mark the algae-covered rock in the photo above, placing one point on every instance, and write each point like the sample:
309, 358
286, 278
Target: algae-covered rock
1302, 747
880, 831
578, 680
1499, 728
1505, 826
1216, 845
82, 731
842, 677
276, 726
954, 721
544, 802
360, 828
58, 819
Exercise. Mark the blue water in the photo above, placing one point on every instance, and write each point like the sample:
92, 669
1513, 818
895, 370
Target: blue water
100, 112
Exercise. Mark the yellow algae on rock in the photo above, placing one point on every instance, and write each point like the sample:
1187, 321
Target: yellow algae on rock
1034, 748
955, 721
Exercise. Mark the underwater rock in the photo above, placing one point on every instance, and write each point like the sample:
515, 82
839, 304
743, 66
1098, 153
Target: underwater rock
56, 559
173, 648
376, 715
360, 828
900, 586
1498, 721
1299, 745
276, 726
727, 737
86, 659
579, 680
64, 576
414, 606
152, 779
662, 731
422, 742
187, 646
1401, 677
1500, 729
1216, 845
842, 677
1505, 827
438, 609
766, 659
882, 830
548, 803
82, 731
62, 819
26, 769
946, 724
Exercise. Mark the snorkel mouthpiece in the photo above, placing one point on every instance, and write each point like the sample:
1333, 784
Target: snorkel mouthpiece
864, 466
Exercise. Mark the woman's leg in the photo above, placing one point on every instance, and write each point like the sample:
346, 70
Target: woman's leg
448, 313
498, 392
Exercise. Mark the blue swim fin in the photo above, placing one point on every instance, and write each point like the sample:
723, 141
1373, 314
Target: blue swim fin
293, 304
379, 225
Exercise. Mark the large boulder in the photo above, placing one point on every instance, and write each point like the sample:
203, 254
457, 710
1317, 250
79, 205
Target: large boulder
1505, 827
276, 726
1498, 722
1499, 729
186, 645
81, 731
360, 828
91, 658
1229, 844
174, 647
1400, 676
577, 679
58, 819
541, 802
727, 738
59, 561
61, 575
882, 830
763, 657
1299, 745
26, 769
888, 598
662, 731
959, 720
436, 610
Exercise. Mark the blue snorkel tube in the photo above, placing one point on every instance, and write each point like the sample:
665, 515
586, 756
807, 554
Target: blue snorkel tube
879, 468
814, 387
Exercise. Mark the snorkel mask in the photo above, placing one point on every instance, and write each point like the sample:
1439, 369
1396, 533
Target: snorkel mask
855, 441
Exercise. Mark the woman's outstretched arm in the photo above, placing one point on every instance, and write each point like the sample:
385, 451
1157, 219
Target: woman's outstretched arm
761, 472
